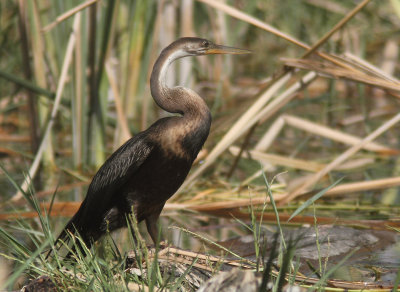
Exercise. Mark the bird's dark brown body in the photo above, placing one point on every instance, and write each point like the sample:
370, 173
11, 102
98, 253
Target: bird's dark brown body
149, 168
144, 188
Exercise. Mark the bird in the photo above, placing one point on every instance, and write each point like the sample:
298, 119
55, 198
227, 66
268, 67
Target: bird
142, 174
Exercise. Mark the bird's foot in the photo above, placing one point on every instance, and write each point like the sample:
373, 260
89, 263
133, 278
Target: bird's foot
161, 245
164, 244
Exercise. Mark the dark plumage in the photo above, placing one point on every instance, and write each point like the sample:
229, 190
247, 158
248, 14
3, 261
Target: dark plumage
149, 168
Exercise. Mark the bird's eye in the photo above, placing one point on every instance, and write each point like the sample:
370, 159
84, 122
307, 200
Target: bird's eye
206, 44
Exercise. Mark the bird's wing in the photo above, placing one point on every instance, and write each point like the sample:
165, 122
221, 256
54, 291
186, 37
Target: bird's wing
121, 165
111, 177
106, 184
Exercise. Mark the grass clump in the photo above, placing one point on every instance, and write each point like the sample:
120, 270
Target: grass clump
101, 268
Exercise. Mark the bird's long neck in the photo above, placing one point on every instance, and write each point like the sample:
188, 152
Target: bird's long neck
177, 99
186, 135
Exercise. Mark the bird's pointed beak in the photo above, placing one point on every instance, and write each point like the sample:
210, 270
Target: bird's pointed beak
218, 49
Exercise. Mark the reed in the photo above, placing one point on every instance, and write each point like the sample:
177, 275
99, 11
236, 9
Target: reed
316, 101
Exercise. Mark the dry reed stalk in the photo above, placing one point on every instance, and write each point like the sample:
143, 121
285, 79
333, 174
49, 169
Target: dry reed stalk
221, 67
122, 121
78, 121
175, 255
252, 20
305, 219
27, 70
349, 165
340, 73
353, 187
14, 138
387, 67
229, 195
355, 163
65, 209
239, 128
200, 195
7, 152
372, 114
130, 93
68, 14
316, 129
203, 260
370, 68
335, 135
258, 23
60, 88
267, 167
231, 136
269, 137
167, 35
38, 50
154, 51
389, 61
340, 159
236, 203
186, 29
280, 160
339, 25
259, 198
91, 87
261, 110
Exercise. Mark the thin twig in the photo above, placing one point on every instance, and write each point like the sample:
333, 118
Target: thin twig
239, 154
338, 26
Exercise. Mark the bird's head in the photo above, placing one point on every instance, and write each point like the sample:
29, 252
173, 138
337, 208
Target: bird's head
166, 97
192, 46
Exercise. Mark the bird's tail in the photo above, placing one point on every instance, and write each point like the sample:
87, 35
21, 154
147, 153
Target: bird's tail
71, 238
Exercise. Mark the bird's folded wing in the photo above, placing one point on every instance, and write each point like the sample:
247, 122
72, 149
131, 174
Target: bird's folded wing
120, 166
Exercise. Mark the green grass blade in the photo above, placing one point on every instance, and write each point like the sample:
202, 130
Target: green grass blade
268, 268
11, 241
396, 281
271, 197
333, 269
28, 85
313, 199
25, 266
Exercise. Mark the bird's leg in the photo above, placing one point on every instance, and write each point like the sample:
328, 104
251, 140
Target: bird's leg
152, 228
